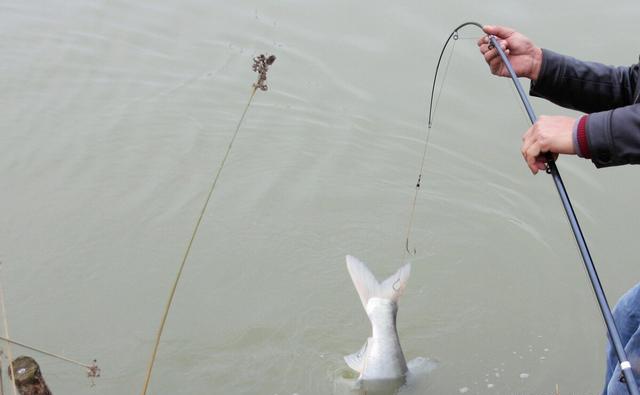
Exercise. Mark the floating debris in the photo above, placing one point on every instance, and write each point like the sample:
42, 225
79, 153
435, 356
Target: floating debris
261, 66
93, 370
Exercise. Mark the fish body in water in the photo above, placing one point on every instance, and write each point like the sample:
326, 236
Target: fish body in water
381, 359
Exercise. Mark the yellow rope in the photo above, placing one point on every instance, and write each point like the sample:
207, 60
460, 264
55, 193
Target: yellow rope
6, 331
186, 253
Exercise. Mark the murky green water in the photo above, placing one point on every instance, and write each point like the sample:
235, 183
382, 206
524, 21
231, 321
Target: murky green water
114, 117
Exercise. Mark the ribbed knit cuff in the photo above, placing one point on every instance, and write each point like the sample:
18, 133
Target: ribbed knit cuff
580, 137
574, 135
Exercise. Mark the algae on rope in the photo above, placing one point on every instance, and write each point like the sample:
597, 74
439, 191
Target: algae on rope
261, 66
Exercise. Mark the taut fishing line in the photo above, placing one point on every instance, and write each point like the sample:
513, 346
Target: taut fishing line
552, 169
433, 106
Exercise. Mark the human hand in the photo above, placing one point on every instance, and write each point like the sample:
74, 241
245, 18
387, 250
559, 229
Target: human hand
549, 134
524, 56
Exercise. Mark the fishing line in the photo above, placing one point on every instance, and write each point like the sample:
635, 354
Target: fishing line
455, 37
552, 169
407, 249
261, 66
444, 79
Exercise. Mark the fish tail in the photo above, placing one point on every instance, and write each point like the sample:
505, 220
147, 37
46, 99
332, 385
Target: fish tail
367, 285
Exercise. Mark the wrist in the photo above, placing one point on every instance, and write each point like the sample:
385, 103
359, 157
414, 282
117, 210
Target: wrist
536, 64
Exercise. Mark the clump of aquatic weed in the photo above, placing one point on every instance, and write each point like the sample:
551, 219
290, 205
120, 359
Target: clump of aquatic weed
261, 66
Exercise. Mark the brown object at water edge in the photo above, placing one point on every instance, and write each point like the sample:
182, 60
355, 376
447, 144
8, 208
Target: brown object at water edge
29, 380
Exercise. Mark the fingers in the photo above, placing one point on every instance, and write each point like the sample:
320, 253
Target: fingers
493, 59
530, 150
485, 42
549, 134
498, 31
487, 47
535, 158
534, 149
490, 54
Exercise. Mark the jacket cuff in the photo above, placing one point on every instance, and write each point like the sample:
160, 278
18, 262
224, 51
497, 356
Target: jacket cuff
581, 138
551, 71
598, 137
574, 138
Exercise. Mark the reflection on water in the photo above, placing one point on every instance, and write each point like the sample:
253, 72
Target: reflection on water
376, 387
115, 115
416, 381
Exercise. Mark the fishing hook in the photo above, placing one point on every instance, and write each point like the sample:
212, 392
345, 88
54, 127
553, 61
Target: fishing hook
395, 285
411, 252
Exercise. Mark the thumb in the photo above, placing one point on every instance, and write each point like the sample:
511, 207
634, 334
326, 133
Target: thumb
498, 31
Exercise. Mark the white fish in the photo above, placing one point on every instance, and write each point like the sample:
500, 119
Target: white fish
381, 359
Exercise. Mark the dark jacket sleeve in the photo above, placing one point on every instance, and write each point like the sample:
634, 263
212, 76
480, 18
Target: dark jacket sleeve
584, 86
614, 136
608, 93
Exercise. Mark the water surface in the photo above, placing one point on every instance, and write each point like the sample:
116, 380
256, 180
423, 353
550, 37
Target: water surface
114, 117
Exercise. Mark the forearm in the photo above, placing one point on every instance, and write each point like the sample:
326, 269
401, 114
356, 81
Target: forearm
584, 86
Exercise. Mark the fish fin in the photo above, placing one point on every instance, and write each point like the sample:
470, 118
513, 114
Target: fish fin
393, 287
364, 281
356, 360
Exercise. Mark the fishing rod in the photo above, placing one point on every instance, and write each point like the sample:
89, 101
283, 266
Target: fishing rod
625, 365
